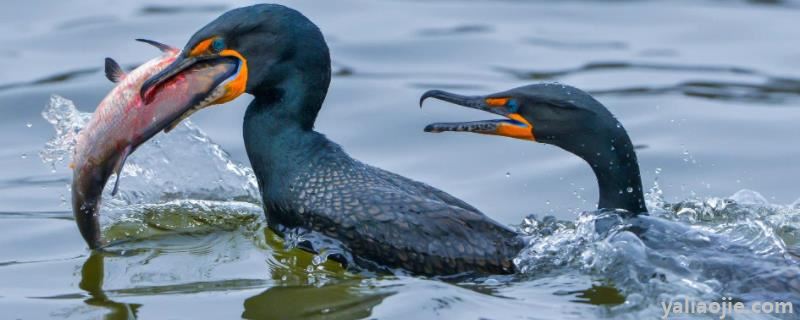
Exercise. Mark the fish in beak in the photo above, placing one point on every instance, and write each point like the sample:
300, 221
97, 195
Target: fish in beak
209, 51
123, 121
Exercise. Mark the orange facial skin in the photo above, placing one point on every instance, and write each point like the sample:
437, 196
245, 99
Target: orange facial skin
238, 85
201, 48
510, 130
235, 87
497, 102
517, 132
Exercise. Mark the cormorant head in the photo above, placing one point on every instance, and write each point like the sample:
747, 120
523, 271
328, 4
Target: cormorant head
550, 113
271, 44
565, 117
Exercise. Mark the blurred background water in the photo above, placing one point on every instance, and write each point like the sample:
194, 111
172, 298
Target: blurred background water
708, 90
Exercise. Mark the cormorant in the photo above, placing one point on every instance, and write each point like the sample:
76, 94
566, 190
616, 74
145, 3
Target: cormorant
309, 182
566, 117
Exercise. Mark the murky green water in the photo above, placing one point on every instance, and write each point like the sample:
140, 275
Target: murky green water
709, 91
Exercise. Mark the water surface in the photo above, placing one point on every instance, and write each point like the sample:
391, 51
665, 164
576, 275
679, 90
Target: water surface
708, 91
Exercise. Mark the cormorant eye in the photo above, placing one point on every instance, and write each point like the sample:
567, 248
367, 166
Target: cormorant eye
218, 45
513, 105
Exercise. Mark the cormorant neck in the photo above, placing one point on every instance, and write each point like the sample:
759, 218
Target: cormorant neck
277, 144
616, 168
278, 125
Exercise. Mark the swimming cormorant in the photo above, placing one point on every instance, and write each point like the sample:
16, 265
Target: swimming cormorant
309, 182
566, 117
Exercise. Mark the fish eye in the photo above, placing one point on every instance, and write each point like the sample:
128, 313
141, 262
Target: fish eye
218, 44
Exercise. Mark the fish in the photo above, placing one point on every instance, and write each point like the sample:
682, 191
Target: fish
123, 121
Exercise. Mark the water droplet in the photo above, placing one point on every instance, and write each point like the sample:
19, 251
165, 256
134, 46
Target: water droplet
508, 174
24, 156
29, 124
630, 189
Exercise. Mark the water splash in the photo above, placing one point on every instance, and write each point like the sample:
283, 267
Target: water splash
740, 246
67, 121
177, 181
182, 183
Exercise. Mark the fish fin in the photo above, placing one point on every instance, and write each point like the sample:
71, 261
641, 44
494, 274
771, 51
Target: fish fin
114, 71
159, 45
118, 168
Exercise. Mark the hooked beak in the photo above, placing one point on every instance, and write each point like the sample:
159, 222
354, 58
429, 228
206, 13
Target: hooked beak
228, 87
514, 126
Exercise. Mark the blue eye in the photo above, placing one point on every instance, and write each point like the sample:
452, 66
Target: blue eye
513, 105
218, 44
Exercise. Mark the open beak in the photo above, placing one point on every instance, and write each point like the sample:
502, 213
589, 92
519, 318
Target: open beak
227, 86
514, 126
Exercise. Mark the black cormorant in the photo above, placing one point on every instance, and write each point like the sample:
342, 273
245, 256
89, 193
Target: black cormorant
309, 182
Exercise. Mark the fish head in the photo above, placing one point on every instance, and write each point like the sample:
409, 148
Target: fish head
89, 179
198, 83
269, 43
219, 75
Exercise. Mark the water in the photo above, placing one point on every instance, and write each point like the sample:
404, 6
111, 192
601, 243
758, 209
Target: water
707, 90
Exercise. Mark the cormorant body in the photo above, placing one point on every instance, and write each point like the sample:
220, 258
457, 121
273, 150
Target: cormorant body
381, 217
309, 182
